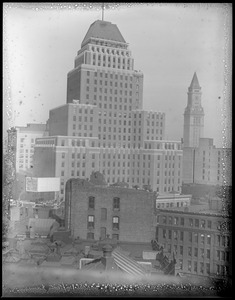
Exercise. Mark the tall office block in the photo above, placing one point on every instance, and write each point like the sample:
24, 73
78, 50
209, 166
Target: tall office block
103, 126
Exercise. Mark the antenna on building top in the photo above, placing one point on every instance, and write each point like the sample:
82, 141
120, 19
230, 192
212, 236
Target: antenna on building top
103, 11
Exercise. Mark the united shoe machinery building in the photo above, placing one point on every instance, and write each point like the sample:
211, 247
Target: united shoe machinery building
103, 126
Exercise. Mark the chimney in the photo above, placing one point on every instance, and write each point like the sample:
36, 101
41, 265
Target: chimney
107, 250
107, 258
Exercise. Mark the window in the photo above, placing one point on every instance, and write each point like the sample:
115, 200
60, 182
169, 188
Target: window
223, 241
190, 237
209, 224
91, 222
202, 267
202, 253
164, 233
191, 222
208, 268
196, 252
116, 203
195, 266
181, 250
196, 223
202, 238
181, 235
182, 221
169, 234
218, 239
189, 266
175, 235
103, 214
203, 223
208, 239
115, 236
222, 253
90, 236
196, 237
164, 219
170, 219
176, 219
91, 203
115, 223
190, 251
218, 255
208, 253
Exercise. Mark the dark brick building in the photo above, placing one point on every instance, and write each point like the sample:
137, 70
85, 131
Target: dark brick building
199, 238
94, 210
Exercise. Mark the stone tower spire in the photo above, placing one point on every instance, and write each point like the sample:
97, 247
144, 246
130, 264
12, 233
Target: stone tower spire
193, 115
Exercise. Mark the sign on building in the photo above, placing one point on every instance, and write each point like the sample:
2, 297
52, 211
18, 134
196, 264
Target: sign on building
42, 184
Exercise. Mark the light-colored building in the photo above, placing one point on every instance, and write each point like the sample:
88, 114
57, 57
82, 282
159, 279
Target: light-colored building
103, 126
24, 144
203, 163
207, 164
173, 200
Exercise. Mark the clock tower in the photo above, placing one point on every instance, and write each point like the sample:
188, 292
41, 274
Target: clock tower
193, 115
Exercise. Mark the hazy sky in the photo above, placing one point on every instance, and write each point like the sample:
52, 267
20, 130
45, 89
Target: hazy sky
169, 42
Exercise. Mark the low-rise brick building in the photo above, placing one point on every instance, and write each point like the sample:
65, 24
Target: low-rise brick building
94, 210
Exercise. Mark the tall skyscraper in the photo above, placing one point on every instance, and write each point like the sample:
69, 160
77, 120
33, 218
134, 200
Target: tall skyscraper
103, 126
193, 115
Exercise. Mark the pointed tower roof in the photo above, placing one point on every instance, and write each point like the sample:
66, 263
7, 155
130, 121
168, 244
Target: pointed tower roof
195, 84
104, 30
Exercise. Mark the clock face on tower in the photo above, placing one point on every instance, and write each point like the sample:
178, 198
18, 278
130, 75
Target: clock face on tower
196, 100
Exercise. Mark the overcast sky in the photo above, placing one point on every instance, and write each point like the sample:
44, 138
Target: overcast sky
169, 42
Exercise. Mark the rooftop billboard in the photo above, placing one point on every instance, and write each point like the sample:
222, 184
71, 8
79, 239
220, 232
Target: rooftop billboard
42, 184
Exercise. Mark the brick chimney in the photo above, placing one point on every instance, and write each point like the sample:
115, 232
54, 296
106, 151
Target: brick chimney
107, 259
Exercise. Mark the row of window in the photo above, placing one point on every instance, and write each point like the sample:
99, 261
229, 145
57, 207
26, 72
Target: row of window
106, 83
109, 51
116, 203
82, 111
111, 91
110, 58
115, 98
179, 235
115, 106
114, 65
84, 119
82, 126
79, 173
91, 222
91, 236
22, 140
200, 268
191, 222
171, 204
200, 253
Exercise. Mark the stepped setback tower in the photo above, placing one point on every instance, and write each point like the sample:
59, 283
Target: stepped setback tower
103, 127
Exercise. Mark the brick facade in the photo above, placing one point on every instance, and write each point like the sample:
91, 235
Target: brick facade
135, 215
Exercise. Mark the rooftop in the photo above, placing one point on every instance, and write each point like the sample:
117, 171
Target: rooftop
195, 83
103, 30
